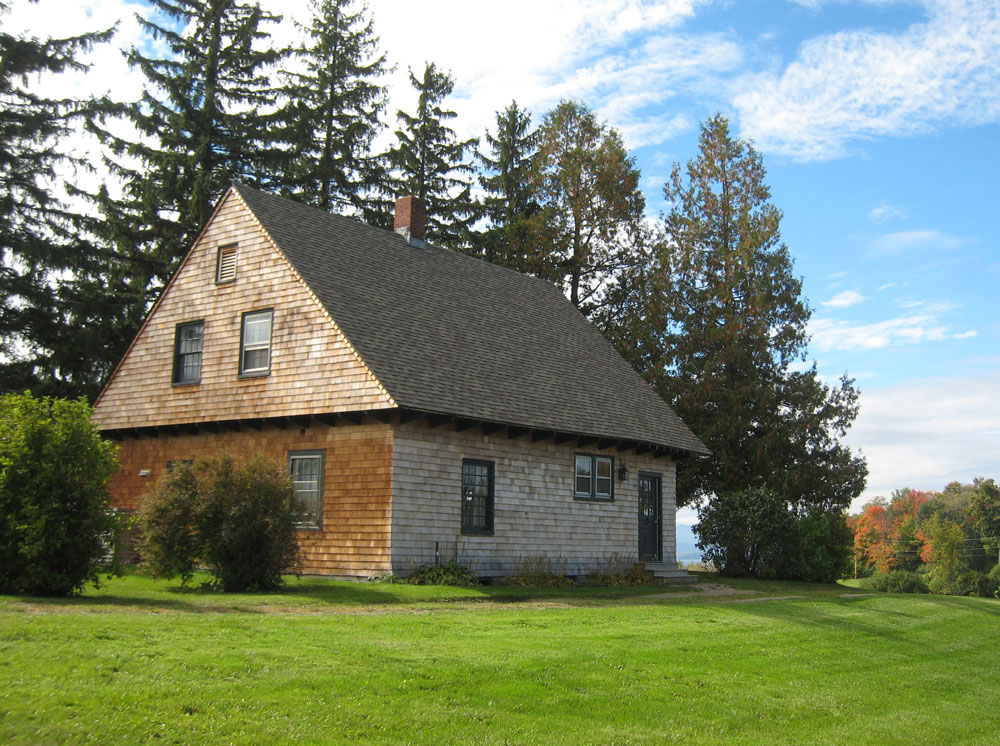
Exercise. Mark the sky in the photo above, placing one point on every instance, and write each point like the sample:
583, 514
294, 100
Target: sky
878, 121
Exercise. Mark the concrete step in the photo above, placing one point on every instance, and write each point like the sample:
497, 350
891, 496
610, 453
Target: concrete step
667, 572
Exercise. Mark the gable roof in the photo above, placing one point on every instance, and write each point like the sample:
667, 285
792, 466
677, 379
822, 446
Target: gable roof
450, 334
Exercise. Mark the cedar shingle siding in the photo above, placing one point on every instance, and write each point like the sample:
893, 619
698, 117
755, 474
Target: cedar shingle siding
376, 345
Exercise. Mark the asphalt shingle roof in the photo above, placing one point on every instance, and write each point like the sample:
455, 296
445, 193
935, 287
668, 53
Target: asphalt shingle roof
447, 333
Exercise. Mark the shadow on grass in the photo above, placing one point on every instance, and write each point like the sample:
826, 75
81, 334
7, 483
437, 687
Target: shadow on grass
139, 592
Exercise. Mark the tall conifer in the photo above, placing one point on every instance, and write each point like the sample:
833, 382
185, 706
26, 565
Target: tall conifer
727, 339
205, 119
43, 246
430, 162
590, 225
509, 199
333, 109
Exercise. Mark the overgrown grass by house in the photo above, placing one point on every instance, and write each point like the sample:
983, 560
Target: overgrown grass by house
326, 662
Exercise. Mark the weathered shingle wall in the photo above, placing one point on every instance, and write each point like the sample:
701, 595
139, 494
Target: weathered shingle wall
354, 540
313, 368
535, 513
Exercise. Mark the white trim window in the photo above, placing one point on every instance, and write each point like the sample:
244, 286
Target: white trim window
255, 343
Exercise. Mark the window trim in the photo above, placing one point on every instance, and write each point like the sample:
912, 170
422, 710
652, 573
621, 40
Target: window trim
468, 528
256, 372
592, 495
178, 367
319, 453
229, 248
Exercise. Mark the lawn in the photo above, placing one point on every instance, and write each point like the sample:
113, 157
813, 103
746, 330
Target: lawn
140, 661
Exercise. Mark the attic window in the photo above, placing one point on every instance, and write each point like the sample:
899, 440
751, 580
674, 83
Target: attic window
225, 268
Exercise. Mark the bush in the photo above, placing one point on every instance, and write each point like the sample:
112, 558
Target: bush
450, 573
897, 581
757, 533
746, 534
57, 531
238, 521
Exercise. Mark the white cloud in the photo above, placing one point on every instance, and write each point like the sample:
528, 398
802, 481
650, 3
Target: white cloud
885, 212
844, 300
926, 433
923, 324
834, 334
858, 84
892, 244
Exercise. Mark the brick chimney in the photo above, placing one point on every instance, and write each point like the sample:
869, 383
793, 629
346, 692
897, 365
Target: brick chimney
411, 220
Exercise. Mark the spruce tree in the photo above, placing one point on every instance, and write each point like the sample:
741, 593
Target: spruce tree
510, 197
590, 227
726, 339
205, 118
333, 109
44, 251
430, 162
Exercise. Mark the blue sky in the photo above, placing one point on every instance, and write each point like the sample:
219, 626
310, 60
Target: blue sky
878, 122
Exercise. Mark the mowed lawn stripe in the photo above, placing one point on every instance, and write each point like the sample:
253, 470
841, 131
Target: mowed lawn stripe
634, 670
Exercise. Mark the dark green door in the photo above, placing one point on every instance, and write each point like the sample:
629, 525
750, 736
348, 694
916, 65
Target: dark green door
650, 522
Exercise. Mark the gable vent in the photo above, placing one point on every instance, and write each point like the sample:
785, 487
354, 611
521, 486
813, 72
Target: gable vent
226, 269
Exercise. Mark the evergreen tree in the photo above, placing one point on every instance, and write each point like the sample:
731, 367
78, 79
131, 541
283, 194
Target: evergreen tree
510, 199
206, 118
590, 227
43, 246
333, 109
431, 163
726, 327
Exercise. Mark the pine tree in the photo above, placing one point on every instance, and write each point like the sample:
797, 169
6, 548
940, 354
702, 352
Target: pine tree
510, 199
43, 245
206, 118
333, 109
431, 163
590, 225
727, 333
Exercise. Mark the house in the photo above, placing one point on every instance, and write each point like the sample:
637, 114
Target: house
430, 405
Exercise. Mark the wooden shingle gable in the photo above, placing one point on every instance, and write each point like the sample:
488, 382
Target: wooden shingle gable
314, 368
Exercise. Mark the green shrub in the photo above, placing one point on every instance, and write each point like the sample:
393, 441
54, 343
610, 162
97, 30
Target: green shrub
897, 581
238, 521
450, 573
57, 531
758, 533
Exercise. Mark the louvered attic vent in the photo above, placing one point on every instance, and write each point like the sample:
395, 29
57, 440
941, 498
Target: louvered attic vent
226, 269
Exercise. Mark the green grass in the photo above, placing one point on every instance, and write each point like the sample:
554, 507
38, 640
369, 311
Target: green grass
322, 662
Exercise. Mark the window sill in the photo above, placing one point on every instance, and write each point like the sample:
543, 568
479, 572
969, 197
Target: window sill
584, 499
477, 532
255, 374
300, 527
182, 384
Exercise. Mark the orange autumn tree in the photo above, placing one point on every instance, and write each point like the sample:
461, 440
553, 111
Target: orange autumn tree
871, 538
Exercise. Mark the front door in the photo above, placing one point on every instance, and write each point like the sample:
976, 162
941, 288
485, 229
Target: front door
650, 523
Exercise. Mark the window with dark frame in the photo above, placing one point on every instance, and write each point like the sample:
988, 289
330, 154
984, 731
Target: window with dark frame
255, 343
307, 469
593, 477
225, 266
179, 463
477, 496
187, 352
